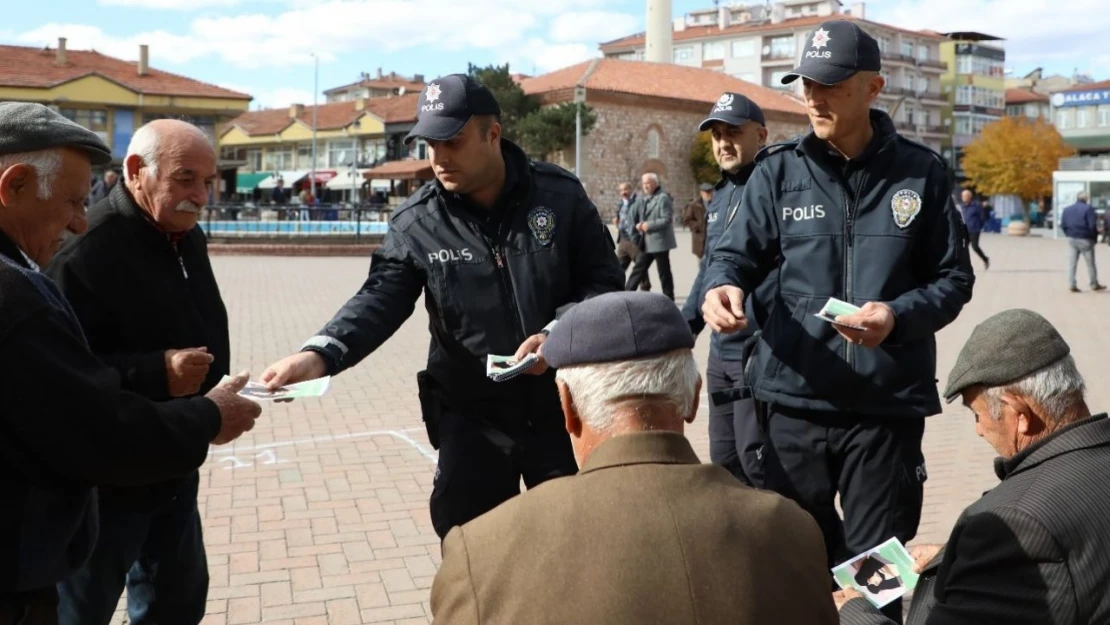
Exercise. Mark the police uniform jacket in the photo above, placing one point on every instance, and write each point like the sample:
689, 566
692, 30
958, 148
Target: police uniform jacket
137, 293
882, 228
67, 426
490, 280
657, 210
644, 533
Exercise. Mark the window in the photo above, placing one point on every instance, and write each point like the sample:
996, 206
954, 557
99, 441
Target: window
304, 156
254, 159
1032, 111
907, 48
94, 120
907, 81
782, 47
341, 153
1104, 115
908, 113
278, 159
743, 48
373, 151
923, 52
713, 51
207, 123
923, 84
683, 55
1082, 117
748, 77
776, 80
884, 44
963, 65
653, 141
1062, 119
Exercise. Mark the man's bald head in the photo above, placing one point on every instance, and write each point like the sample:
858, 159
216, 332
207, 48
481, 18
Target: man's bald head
170, 169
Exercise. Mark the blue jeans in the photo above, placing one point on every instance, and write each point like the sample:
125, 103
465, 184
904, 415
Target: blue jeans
158, 554
1085, 248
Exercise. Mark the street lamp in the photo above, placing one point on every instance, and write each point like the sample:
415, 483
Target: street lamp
315, 91
579, 100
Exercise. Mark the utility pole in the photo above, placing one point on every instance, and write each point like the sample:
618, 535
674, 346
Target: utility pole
315, 106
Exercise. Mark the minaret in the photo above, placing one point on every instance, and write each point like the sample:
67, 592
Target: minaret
657, 43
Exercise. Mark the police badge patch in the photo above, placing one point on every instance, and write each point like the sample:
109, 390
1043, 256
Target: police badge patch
905, 205
542, 223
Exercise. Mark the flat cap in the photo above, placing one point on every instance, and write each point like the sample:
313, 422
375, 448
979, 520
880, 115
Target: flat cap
1005, 348
31, 127
624, 325
705, 186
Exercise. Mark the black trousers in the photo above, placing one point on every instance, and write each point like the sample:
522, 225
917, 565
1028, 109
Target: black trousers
640, 270
30, 608
876, 465
973, 243
627, 253
480, 466
736, 439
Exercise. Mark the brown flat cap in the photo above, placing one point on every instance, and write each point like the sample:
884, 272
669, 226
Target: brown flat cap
1005, 348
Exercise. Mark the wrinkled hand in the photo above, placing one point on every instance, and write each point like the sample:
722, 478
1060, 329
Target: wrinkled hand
237, 414
723, 309
533, 344
923, 555
299, 367
877, 321
841, 597
642, 226
186, 370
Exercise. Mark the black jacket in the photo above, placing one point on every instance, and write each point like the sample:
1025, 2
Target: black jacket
490, 279
882, 229
128, 285
67, 426
1032, 550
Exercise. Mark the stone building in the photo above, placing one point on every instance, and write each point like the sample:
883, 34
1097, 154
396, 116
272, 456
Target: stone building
647, 118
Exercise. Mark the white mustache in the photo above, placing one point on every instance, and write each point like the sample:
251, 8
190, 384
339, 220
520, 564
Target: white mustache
188, 207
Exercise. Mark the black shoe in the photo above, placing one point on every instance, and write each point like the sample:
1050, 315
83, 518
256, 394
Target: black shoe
986, 263
1075, 289
1099, 287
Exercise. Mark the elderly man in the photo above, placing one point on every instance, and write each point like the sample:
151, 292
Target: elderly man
141, 284
629, 240
653, 214
1032, 550
103, 187
1080, 225
645, 533
68, 426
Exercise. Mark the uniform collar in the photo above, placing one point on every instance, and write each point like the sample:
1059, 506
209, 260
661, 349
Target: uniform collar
739, 178
1090, 432
641, 448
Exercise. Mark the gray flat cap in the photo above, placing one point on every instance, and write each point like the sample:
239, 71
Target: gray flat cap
1005, 348
30, 127
617, 326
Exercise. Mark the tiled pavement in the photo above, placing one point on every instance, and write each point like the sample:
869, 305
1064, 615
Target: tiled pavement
319, 516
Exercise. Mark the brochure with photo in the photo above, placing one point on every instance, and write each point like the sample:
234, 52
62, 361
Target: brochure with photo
882, 575
835, 308
501, 368
258, 391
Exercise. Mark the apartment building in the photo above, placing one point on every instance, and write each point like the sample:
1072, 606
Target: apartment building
1024, 102
1082, 115
761, 43
975, 84
371, 86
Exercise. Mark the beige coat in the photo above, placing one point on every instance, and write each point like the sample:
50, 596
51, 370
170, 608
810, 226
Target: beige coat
645, 534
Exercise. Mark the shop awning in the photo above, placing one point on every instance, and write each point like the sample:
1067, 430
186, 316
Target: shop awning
288, 178
343, 179
246, 183
402, 170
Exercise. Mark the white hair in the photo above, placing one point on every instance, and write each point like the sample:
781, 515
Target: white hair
669, 378
1058, 389
46, 163
651, 176
147, 144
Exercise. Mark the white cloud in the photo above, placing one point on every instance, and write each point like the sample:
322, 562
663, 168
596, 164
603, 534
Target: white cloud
1036, 32
172, 5
278, 97
538, 56
592, 25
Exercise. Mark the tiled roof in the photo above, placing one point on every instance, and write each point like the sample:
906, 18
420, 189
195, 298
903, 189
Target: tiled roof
402, 170
1021, 96
1091, 86
21, 66
692, 33
332, 116
661, 80
391, 80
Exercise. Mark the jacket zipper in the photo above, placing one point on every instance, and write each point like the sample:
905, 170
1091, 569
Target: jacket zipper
849, 252
507, 286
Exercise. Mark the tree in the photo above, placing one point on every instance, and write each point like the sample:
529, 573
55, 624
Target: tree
515, 105
1015, 156
702, 163
552, 128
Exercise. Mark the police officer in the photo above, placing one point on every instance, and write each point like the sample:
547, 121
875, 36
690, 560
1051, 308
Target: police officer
854, 211
737, 131
500, 247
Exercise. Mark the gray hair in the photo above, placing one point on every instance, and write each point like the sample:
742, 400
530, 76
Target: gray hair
596, 388
46, 163
1058, 389
147, 144
651, 176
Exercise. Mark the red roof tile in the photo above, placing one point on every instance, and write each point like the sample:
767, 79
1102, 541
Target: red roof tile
661, 80
21, 66
706, 32
402, 170
333, 116
1021, 96
1091, 86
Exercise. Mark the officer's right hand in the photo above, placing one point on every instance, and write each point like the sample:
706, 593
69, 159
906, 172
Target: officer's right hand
237, 414
723, 309
299, 367
186, 370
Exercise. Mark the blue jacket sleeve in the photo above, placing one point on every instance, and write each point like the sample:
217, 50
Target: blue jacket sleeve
749, 246
593, 264
691, 309
942, 267
386, 299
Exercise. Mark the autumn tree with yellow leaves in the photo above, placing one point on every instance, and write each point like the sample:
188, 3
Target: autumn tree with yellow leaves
1015, 156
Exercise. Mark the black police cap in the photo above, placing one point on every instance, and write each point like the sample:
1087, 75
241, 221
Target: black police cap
447, 104
835, 52
733, 109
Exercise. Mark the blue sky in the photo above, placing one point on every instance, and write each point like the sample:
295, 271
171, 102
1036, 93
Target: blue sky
264, 47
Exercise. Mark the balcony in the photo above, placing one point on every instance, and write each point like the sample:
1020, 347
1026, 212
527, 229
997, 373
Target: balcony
933, 63
899, 58
932, 95
1085, 163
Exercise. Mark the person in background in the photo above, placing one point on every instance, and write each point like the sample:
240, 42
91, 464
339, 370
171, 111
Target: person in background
629, 240
1080, 225
694, 218
653, 214
975, 217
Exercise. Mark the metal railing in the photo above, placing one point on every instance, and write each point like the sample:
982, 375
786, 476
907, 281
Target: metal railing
294, 221
1085, 163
